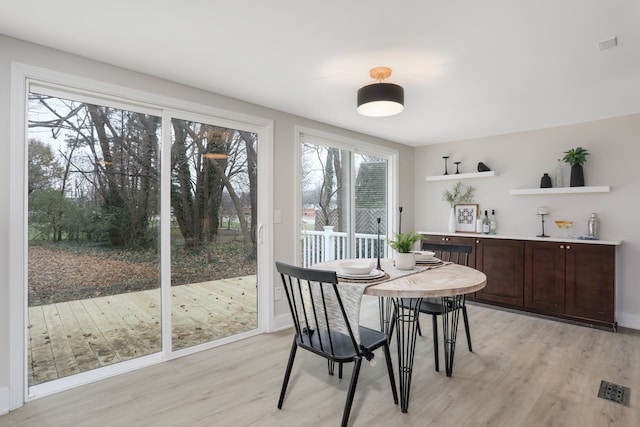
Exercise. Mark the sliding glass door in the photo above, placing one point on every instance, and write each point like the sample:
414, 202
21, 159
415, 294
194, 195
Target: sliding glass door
344, 201
93, 234
97, 288
213, 240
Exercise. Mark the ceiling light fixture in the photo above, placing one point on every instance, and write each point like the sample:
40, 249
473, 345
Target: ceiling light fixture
380, 99
217, 156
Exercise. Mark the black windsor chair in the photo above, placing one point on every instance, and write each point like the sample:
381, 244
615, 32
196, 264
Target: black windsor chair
323, 328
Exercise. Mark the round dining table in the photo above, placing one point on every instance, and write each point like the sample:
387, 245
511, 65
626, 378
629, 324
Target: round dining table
401, 293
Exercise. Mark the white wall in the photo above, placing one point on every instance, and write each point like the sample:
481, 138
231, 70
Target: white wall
520, 159
284, 159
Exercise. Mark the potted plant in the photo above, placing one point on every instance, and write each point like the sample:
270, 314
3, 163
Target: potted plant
403, 245
458, 194
576, 157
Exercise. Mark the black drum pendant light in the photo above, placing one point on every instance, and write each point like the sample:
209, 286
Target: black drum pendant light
380, 99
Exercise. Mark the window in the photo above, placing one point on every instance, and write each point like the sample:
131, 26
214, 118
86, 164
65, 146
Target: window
345, 199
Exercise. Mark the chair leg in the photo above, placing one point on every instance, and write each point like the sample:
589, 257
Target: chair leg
392, 378
466, 326
340, 370
331, 366
287, 373
351, 393
434, 322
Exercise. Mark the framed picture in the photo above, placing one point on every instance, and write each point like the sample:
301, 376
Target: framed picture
466, 215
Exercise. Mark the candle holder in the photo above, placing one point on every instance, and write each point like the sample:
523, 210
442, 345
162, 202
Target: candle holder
542, 218
457, 165
378, 266
445, 165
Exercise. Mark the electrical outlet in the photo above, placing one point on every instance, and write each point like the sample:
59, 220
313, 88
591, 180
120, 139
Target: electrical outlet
278, 294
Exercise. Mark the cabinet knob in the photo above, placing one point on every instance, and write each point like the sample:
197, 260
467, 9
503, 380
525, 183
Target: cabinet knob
444, 238
568, 247
477, 241
561, 246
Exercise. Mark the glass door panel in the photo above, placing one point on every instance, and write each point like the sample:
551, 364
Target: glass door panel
343, 195
370, 206
213, 222
93, 234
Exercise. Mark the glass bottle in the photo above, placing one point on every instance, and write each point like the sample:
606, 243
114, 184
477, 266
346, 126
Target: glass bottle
486, 225
558, 175
593, 225
493, 224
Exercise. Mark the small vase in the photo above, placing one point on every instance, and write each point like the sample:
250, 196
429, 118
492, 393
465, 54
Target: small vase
405, 261
577, 176
452, 221
545, 182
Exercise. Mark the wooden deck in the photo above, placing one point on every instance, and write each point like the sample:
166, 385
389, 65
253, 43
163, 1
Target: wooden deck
77, 336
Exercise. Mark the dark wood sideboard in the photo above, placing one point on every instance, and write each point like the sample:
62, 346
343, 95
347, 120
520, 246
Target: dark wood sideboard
574, 281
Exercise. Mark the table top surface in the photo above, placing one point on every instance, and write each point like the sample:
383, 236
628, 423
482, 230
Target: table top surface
446, 280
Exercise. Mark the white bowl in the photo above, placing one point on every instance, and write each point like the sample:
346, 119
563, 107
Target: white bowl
363, 266
423, 255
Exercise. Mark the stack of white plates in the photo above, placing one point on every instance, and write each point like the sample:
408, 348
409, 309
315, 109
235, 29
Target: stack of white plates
431, 261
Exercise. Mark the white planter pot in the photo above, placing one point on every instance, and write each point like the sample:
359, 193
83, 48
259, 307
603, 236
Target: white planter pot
405, 261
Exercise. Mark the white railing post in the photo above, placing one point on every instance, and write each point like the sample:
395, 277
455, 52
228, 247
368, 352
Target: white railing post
328, 251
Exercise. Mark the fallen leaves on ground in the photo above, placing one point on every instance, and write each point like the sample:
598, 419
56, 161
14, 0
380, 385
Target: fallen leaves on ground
57, 274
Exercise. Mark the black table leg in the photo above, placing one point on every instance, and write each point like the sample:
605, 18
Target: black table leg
450, 316
406, 325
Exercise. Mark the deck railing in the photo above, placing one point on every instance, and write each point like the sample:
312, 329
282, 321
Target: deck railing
328, 245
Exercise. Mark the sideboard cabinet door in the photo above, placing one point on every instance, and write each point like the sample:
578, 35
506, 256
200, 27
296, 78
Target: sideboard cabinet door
502, 261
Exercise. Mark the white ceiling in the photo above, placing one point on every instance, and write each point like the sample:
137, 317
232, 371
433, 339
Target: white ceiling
469, 68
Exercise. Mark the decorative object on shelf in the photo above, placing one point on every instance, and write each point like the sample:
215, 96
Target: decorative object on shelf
576, 157
493, 223
486, 224
557, 179
452, 221
403, 245
457, 195
457, 167
545, 181
542, 211
380, 99
445, 165
566, 225
593, 226
465, 218
483, 168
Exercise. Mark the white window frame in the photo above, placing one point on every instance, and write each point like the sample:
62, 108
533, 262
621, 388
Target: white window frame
22, 76
354, 146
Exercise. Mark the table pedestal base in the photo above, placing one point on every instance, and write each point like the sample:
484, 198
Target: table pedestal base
404, 320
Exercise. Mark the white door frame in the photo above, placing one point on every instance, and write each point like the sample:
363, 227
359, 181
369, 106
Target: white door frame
20, 75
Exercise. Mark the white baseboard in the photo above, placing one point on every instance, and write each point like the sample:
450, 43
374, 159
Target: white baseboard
4, 400
627, 320
281, 322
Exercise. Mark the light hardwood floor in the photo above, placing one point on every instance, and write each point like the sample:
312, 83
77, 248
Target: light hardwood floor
524, 371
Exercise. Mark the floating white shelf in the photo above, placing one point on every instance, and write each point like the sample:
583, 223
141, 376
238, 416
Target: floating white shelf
560, 190
456, 176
